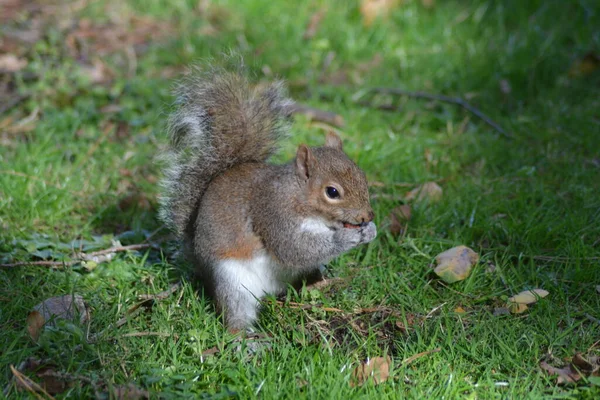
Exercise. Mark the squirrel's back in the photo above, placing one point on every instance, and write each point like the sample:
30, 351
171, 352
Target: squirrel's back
220, 121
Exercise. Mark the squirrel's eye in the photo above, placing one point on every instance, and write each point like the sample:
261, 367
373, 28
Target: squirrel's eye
332, 192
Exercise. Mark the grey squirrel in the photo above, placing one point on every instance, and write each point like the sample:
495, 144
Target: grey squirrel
251, 227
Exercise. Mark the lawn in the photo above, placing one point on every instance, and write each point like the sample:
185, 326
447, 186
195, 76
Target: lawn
84, 95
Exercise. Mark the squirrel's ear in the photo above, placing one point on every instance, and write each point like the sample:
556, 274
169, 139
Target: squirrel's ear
304, 162
333, 140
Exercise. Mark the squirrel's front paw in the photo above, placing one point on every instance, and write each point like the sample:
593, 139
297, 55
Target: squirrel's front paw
368, 233
347, 238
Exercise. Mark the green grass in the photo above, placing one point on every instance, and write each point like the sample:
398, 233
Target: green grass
68, 176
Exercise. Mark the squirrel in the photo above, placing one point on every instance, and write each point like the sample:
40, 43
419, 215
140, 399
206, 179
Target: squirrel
251, 227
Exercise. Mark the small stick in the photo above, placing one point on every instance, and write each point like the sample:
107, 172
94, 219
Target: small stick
317, 115
161, 295
30, 385
447, 99
66, 376
324, 283
302, 306
560, 258
140, 334
419, 355
82, 257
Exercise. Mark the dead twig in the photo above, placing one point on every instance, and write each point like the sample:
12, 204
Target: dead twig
80, 257
419, 355
141, 334
324, 283
29, 385
560, 258
146, 302
315, 114
302, 306
66, 377
437, 97
162, 295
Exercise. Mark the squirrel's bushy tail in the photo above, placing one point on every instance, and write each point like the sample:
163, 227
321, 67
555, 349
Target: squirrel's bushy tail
219, 121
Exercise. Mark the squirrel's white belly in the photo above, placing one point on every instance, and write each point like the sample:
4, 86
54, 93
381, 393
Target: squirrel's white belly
255, 276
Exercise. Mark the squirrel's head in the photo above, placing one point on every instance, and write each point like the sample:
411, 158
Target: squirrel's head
336, 189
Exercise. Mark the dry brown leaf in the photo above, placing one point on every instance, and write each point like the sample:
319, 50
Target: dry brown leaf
52, 381
587, 366
35, 323
398, 218
11, 63
376, 368
68, 307
517, 308
456, 263
565, 375
430, 191
528, 296
587, 65
372, 9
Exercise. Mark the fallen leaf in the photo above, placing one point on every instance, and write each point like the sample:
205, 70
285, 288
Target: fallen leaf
456, 263
517, 308
68, 307
460, 310
377, 368
398, 218
587, 65
372, 9
565, 375
35, 323
528, 296
11, 63
51, 380
430, 191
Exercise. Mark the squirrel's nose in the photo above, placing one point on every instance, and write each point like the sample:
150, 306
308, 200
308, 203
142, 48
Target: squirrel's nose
367, 217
